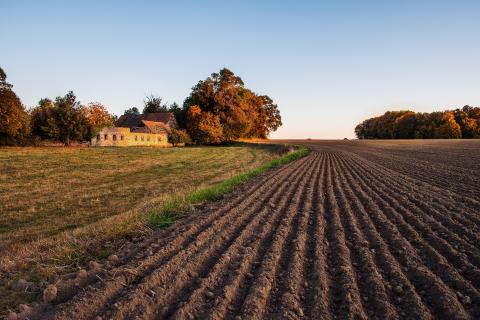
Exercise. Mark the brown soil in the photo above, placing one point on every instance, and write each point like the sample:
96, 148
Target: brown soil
343, 233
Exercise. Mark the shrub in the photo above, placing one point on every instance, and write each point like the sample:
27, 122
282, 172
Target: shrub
178, 137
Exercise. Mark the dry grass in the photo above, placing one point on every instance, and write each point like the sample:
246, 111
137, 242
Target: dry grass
61, 207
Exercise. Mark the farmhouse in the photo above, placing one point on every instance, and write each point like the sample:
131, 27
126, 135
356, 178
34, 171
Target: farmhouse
149, 129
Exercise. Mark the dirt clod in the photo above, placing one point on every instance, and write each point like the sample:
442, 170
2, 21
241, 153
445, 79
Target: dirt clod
466, 300
50, 294
113, 258
82, 274
94, 265
12, 316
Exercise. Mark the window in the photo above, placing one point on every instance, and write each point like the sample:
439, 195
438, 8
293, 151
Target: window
136, 138
114, 137
98, 137
105, 137
148, 138
159, 139
121, 138
142, 138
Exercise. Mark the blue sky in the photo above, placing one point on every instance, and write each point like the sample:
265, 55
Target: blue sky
327, 64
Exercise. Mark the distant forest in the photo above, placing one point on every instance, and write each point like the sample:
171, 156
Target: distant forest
451, 124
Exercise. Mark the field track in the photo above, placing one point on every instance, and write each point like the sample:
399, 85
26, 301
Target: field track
334, 235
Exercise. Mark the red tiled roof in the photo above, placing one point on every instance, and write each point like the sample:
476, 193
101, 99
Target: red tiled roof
155, 127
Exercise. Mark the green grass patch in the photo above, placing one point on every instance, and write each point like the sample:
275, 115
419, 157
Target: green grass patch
173, 207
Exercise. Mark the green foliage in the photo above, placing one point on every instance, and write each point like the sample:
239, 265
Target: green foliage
3, 80
178, 136
459, 123
68, 123
180, 115
172, 208
153, 104
133, 110
64, 119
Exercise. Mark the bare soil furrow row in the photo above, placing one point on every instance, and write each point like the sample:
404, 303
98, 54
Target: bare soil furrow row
461, 214
370, 282
400, 289
437, 263
439, 296
345, 300
224, 278
317, 304
255, 302
419, 226
439, 221
287, 296
441, 177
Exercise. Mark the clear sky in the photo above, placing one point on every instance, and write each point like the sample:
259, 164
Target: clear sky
327, 64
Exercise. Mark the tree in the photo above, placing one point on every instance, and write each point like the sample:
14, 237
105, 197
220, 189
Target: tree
3, 80
133, 110
153, 104
459, 123
449, 129
97, 117
269, 118
40, 116
204, 127
14, 120
180, 115
178, 136
240, 112
67, 122
405, 126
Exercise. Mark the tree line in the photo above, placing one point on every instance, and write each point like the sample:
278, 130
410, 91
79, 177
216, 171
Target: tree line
219, 109
450, 124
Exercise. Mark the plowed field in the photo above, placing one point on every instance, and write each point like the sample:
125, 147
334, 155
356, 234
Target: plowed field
352, 231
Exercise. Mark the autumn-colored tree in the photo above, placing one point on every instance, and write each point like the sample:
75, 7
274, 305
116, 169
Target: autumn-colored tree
269, 118
405, 126
241, 112
14, 120
449, 129
459, 123
204, 127
97, 117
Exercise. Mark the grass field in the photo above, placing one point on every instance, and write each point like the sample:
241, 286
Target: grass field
61, 207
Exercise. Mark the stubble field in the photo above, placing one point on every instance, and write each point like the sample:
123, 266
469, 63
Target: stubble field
354, 230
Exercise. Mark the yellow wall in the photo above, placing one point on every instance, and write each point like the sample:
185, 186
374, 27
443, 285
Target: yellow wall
125, 138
